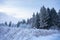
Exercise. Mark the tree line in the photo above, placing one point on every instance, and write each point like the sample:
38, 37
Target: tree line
47, 18
10, 24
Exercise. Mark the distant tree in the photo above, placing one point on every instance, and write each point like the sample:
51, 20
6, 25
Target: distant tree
33, 20
37, 23
10, 24
59, 12
23, 21
27, 21
59, 19
43, 17
18, 24
54, 17
6, 23
48, 18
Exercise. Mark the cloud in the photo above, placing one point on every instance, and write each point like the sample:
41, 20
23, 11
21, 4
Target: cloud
16, 12
14, 8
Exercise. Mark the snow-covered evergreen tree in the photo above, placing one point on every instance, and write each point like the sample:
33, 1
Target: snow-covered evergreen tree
48, 18
54, 17
27, 21
59, 19
18, 24
33, 20
10, 24
6, 23
23, 21
37, 23
43, 17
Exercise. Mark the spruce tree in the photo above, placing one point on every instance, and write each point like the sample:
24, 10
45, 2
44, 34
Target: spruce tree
18, 24
6, 23
43, 17
9, 24
59, 19
33, 20
23, 21
37, 21
54, 17
48, 18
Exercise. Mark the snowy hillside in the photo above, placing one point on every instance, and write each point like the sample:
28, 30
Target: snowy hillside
13, 33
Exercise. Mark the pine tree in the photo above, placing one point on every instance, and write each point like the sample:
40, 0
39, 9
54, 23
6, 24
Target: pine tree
23, 21
18, 24
43, 17
28, 21
9, 24
33, 20
37, 24
54, 17
6, 23
59, 19
48, 18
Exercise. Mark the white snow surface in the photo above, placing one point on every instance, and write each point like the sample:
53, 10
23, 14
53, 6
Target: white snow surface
13, 33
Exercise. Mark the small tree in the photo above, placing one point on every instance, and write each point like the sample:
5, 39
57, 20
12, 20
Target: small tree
18, 24
33, 20
23, 21
48, 19
43, 17
6, 23
37, 24
9, 24
59, 19
28, 21
54, 17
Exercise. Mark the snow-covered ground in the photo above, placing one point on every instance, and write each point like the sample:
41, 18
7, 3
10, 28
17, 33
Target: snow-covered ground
13, 33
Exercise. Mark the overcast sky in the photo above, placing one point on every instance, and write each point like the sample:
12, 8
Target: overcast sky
25, 8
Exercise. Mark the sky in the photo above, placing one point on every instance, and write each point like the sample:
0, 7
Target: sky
25, 8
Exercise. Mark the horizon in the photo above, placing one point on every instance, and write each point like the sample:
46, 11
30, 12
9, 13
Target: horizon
25, 8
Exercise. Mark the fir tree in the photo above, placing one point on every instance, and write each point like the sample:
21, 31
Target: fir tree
43, 17
23, 21
37, 21
59, 19
48, 18
9, 24
6, 23
33, 20
54, 17
18, 24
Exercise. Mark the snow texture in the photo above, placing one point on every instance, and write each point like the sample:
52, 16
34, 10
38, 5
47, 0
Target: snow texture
13, 33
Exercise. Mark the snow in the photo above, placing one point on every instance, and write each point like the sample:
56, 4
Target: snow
25, 25
14, 33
